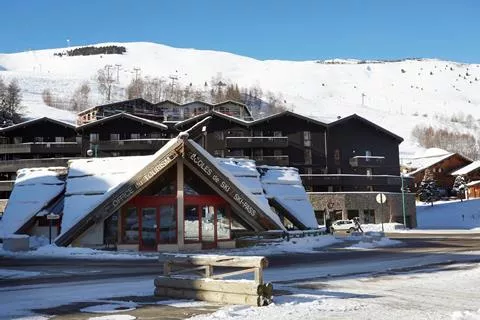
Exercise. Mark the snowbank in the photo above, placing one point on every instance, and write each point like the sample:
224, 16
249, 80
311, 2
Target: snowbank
449, 215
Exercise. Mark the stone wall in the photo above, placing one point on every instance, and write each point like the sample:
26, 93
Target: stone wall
338, 205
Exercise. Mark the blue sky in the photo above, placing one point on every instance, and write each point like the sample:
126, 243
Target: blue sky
262, 29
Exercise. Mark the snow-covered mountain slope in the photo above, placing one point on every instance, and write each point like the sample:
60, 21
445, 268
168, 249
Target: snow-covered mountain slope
396, 95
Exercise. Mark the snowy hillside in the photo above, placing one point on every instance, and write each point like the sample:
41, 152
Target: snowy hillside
396, 95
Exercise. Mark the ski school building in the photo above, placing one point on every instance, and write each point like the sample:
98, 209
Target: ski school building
180, 198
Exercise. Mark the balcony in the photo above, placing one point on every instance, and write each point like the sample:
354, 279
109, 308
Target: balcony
6, 185
41, 147
272, 160
355, 180
367, 161
131, 145
256, 142
14, 165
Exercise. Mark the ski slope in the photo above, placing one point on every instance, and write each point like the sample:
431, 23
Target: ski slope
396, 95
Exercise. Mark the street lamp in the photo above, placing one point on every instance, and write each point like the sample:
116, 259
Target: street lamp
403, 199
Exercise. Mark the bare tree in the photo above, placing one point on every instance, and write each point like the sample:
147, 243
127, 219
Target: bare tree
47, 97
105, 81
136, 89
80, 98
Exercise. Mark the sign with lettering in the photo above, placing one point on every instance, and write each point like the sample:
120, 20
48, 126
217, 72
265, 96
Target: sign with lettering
222, 182
123, 194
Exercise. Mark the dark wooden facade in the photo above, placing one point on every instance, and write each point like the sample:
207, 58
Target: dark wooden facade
285, 139
163, 111
123, 135
351, 154
441, 171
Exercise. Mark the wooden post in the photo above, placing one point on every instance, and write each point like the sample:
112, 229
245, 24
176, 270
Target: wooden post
180, 205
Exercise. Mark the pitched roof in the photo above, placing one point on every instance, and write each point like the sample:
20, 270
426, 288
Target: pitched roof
423, 163
467, 169
124, 115
288, 113
113, 103
356, 116
33, 121
212, 113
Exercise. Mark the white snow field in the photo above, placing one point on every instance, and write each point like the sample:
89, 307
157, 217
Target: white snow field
397, 95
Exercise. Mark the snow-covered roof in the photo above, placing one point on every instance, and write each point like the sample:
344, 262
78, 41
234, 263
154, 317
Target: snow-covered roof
257, 199
467, 169
426, 159
124, 115
33, 121
32, 191
285, 186
91, 181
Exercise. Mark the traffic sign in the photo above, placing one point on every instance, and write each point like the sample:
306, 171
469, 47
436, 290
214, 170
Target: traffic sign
381, 198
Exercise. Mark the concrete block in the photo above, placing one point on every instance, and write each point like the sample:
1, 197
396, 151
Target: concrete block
16, 242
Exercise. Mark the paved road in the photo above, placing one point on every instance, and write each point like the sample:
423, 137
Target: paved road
412, 249
84, 281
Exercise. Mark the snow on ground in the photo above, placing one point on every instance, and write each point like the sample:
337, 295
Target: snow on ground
449, 215
52, 251
383, 242
17, 274
398, 95
308, 244
445, 293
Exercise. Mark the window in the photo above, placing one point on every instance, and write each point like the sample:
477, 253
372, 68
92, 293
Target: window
237, 153
277, 152
368, 154
277, 133
192, 224
223, 224
307, 138
168, 224
258, 154
258, 133
339, 170
308, 156
135, 136
38, 139
17, 140
114, 136
59, 139
369, 171
130, 226
94, 137
219, 153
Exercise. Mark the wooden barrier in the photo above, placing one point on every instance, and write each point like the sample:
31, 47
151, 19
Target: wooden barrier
179, 280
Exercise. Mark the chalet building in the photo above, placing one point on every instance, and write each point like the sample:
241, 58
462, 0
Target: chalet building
180, 198
441, 164
123, 134
36, 143
343, 165
335, 160
471, 174
163, 111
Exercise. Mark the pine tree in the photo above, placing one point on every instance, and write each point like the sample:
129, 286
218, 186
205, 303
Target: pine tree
459, 187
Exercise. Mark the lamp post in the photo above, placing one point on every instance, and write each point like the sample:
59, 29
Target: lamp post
403, 200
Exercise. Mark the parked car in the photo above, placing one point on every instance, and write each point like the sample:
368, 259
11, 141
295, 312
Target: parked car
343, 225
